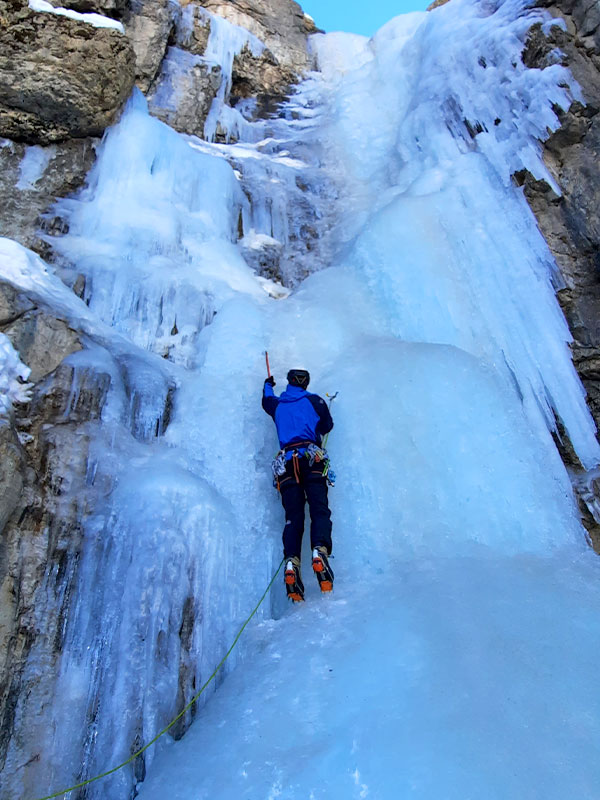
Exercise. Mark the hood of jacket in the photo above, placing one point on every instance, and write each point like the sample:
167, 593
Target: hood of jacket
292, 394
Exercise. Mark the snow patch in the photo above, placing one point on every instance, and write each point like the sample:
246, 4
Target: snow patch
13, 377
33, 165
97, 20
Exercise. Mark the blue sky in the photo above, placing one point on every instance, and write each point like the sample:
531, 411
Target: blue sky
358, 16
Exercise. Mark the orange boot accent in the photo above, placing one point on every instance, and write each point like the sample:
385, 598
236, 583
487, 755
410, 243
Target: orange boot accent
323, 575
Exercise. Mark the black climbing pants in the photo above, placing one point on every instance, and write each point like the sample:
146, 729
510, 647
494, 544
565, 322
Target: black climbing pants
303, 483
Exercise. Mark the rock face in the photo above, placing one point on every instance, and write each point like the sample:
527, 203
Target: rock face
31, 178
59, 78
117, 9
184, 90
149, 26
571, 222
280, 24
182, 93
46, 493
261, 77
37, 452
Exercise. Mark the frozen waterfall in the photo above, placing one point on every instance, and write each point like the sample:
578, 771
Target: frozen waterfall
457, 655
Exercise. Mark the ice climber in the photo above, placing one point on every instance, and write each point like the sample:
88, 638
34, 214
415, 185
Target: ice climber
301, 474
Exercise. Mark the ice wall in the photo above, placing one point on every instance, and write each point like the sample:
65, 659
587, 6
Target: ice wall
456, 656
435, 319
442, 233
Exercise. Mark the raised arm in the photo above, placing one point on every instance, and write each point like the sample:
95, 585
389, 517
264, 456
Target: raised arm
269, 399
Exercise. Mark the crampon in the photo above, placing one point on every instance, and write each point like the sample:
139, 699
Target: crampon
322, 570
293, 582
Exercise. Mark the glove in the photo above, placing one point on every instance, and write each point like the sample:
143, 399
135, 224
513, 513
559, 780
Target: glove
270, 380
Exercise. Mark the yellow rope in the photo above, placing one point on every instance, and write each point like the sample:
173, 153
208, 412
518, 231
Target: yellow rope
182, 712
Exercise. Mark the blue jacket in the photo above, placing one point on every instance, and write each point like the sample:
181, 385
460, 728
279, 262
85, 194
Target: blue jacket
299, 416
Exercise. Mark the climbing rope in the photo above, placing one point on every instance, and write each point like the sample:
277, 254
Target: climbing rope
182, 712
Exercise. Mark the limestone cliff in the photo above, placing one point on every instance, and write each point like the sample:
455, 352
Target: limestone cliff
59, 78
570, 222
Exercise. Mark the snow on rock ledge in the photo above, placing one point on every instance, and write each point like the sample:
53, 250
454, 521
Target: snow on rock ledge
96, 20
13, 376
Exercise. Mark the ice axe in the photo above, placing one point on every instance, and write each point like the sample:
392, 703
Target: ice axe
331, 399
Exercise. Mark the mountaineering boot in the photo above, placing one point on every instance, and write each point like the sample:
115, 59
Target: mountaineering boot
293, 581
322, 569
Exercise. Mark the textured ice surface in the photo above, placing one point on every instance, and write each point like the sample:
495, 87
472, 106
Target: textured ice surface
455, 658
442, 235
447, 678
154, 232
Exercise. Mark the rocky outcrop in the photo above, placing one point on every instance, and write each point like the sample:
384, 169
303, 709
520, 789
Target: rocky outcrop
59, 78
187, 84
40, 458
280, 24
184, 93
262, 78
12, 468
31, 178
150, 25
194, 32
263, 71
41, 547
48, 489
42, 341
570, 222
263, 254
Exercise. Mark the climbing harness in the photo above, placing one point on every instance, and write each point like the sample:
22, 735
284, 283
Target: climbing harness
314, 454
279, 463
183, 711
